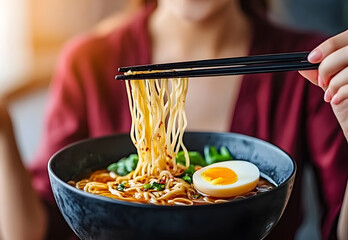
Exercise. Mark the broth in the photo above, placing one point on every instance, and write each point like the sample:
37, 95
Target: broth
108, 186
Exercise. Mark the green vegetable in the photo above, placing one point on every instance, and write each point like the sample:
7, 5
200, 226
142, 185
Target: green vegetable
112, 167
131, 162
121, 167
225, 152
187, 175
120, 187
196, 196
189, 171
124, 165
157, 186
212, 156
195, 158
187, 178
147, 186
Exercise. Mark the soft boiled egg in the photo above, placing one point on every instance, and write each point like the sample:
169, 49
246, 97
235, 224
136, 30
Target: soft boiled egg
226, 179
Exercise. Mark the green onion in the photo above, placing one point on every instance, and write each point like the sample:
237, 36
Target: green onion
124, 165
225, 152
112, 167
187, 179
196, 196
189, 171
154, 185
157, 186
195, 158
120, 187
212, 156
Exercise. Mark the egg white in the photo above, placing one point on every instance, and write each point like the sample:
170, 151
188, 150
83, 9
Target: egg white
248, 177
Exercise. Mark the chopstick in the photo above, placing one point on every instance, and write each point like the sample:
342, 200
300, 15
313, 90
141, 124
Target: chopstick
241, 65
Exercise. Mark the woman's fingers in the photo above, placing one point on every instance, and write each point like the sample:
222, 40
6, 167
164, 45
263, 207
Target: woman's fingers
329, 64
333, 64
332, 73
341, 108
338, 88
329, 46
341, 95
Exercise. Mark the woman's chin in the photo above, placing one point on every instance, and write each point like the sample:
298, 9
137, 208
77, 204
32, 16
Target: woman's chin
196, 10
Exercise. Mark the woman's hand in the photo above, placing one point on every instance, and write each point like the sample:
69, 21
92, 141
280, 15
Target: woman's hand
332, 75
22, 214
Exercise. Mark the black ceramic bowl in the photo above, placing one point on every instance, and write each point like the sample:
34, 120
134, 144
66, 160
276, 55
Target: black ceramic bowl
97, 217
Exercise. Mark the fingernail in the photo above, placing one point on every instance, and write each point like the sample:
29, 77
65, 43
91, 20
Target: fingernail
335, 100
327, 96
315, 56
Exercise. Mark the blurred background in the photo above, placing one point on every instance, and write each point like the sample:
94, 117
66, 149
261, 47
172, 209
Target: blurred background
33, 32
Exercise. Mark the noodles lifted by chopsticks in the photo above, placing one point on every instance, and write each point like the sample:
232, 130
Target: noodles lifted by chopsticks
158, 115
158, 123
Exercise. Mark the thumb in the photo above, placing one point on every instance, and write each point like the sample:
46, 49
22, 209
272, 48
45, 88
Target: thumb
311, 75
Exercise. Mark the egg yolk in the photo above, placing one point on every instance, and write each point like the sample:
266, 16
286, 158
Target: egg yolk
219, 176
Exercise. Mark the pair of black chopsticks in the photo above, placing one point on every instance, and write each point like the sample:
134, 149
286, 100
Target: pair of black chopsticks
213, 67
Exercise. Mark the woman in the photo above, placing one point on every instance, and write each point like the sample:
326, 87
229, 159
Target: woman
281, 108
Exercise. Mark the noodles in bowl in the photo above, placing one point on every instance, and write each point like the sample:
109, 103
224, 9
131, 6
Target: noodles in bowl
164, 156
164, 190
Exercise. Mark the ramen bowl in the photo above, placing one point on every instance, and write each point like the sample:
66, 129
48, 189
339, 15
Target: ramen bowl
96, 217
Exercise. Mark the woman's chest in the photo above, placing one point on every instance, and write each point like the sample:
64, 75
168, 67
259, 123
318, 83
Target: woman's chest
210, 103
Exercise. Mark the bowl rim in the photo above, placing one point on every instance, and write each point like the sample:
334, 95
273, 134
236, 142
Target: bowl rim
155, 206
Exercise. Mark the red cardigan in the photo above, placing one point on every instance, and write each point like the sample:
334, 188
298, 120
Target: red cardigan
282, 108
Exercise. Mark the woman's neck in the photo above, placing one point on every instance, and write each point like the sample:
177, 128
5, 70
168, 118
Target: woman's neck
224, 33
